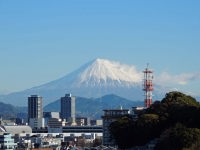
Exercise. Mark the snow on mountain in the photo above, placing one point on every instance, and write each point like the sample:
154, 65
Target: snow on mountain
98, 73
102, 72
94, 79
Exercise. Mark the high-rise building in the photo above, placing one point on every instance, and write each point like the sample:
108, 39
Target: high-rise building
35, 111
68, 108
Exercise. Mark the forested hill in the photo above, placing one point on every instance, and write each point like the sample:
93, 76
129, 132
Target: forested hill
8, 110
174, 121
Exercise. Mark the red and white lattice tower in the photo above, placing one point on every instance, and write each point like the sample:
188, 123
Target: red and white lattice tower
148, 86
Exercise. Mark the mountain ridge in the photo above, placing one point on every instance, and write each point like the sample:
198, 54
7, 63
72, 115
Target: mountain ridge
93, 107
93, 79
85, 107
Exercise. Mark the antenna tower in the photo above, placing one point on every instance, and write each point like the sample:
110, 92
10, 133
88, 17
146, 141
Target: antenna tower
148, 86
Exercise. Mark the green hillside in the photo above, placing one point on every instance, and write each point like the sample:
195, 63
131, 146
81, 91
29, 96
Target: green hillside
174, 121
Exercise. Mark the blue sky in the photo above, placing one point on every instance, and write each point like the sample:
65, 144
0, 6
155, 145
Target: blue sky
43, 40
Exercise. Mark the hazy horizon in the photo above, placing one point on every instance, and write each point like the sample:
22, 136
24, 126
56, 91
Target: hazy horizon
42, 41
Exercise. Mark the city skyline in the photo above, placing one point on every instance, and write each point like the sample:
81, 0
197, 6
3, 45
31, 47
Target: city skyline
43, 41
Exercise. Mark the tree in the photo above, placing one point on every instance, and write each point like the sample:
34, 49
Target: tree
160, 119
179, 137
178, 98
122, 131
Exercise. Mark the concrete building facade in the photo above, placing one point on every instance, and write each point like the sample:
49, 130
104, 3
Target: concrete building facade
68, 108
35, 111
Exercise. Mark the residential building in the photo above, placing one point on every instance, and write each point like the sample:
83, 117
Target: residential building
6, 141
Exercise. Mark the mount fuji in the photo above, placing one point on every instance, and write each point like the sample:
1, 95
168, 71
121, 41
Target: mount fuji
94, 79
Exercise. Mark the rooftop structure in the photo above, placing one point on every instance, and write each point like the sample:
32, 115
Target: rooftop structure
18, 129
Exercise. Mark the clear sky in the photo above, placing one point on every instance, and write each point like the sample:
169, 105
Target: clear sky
42, 40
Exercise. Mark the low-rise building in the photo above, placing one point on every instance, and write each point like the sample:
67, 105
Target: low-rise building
6, 141
49, 115
55, 125
81, 121
36, 122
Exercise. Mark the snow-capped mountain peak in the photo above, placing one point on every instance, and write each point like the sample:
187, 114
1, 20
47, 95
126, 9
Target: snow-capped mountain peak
102, 71
94, 79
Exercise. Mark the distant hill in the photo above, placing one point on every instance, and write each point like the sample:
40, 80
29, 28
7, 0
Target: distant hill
8, 110
93, 107
85, 107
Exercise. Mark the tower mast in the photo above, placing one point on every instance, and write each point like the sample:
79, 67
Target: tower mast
148, 86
